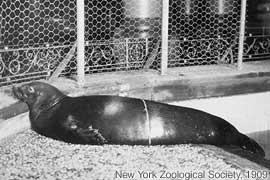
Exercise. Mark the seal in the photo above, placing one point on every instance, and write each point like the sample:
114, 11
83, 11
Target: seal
105, 119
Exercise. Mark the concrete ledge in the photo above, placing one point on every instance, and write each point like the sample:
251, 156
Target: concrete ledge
178, 84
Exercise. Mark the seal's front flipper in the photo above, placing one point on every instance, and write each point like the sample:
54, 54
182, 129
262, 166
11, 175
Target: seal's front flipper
82, 133
91, 136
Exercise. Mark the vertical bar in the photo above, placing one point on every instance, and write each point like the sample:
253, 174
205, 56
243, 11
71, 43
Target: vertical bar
80, 43
220, 7
165, 36
188, 8
127, 52
242, 34
146, 47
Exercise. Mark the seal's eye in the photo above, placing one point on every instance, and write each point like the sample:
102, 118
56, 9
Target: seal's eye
31, 89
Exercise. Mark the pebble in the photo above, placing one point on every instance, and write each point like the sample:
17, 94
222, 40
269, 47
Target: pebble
28, 155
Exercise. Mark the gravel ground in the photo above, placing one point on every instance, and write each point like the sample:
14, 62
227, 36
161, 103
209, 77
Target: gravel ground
28, 155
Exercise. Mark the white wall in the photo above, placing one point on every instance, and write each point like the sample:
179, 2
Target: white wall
248, 113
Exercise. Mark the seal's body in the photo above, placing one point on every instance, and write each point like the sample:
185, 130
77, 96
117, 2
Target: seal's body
122, 120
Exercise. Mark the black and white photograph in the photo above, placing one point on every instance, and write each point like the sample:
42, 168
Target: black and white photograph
134, 89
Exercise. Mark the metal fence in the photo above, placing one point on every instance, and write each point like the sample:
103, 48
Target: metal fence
38, 38
257, 39
120, 35
35, 36
203, 32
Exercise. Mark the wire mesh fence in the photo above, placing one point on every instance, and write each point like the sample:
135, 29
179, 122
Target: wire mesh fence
38, 36
35, 35
120, 35
203, 32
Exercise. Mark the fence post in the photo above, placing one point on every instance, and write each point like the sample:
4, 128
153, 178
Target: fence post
242, 34
80, 43
165, 36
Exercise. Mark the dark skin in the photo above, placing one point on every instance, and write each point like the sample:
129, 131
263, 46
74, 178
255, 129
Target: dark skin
122, 120
36, 97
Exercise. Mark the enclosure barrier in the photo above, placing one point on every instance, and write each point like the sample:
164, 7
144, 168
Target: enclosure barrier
257, 33
242, 34
80, 42
45, 39
165, 34
35, 36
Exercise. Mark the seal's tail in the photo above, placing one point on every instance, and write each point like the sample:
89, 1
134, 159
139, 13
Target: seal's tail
249, 144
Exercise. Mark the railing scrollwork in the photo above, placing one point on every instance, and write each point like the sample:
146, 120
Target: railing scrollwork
256, 48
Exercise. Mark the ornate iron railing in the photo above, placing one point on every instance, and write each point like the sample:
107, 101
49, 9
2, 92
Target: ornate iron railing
122, 54
200, 52
18, 65
256, 47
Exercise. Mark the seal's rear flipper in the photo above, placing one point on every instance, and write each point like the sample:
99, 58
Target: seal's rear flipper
247, 155
249, 144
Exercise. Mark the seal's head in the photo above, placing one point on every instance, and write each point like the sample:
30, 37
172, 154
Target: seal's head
37, 93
